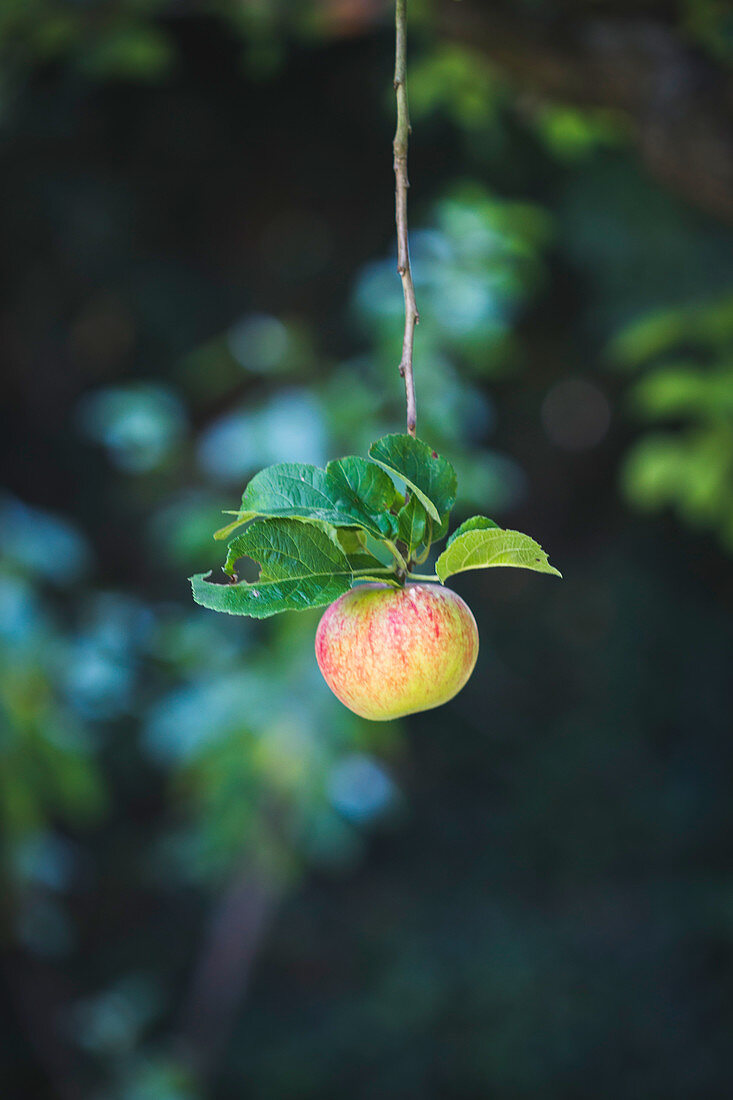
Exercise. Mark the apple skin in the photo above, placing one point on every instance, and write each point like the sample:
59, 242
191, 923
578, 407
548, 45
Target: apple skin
386, 652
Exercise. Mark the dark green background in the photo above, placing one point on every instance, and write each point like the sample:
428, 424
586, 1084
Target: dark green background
216, 882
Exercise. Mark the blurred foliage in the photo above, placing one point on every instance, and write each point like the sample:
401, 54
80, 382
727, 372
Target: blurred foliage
455, 82
531, 895
687, 384
710, 23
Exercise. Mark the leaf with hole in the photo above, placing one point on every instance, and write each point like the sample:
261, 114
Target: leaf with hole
302, 565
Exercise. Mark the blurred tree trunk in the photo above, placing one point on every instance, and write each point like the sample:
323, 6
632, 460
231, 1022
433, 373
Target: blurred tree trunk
237, 925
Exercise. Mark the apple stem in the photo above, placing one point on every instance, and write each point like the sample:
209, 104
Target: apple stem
402, 183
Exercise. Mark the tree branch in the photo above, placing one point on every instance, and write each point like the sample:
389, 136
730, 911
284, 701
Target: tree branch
402, 183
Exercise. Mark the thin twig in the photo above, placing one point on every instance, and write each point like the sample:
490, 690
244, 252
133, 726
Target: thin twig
402, 183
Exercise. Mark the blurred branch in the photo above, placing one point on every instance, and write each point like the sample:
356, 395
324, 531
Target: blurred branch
402, 183
219, 982
679, 101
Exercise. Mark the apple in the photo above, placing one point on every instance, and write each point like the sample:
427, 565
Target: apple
387, 651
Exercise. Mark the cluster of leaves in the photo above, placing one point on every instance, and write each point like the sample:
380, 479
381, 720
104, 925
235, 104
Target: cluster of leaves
315, 532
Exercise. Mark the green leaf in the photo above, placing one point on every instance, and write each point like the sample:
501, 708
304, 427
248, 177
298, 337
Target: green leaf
301, 566
441, 530
351, 540
349, 492
361, 489
360, 562
225, 532
430, 477
475, 523
481, 548
412, 520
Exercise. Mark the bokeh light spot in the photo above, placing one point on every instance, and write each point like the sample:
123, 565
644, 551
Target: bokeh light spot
360, 788
259, 343
288, 428
139, 425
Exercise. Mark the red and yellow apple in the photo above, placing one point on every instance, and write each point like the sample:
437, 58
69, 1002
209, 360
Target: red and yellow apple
387, 651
